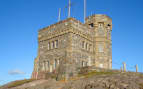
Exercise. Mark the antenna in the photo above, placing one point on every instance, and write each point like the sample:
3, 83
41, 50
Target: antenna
84, 10
59, 17
69, 11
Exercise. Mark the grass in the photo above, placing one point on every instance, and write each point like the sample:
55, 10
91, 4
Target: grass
19, 82
93, 73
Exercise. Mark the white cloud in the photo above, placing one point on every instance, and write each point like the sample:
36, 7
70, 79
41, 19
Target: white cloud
16, 72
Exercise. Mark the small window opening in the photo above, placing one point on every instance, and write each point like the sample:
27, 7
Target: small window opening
91, 24
100, 24
109, 25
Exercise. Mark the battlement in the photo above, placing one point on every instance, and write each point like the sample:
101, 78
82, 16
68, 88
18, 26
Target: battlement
64, 26
61, 22
99, 18
98, 15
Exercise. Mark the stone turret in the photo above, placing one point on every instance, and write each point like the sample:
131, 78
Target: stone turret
102, 25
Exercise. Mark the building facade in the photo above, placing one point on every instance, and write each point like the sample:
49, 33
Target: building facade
70, 44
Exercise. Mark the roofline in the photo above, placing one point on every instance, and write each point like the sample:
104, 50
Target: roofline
95, 15
63, 21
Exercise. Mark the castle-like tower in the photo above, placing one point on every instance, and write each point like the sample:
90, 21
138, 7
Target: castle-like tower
102, 26
68, 45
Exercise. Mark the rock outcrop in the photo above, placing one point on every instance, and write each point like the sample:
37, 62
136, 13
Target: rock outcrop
92, 80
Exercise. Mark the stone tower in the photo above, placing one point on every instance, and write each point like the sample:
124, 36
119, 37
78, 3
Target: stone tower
67, 46
102, 26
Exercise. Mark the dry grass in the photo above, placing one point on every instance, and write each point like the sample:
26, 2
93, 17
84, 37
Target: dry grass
93, 73
19, 82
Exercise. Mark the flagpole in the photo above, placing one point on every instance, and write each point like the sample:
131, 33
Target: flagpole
84, 10
59, 17
69, 11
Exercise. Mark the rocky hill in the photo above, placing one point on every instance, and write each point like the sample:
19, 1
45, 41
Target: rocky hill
90, 80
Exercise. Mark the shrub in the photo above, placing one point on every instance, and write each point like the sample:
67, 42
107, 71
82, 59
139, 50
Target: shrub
84, 70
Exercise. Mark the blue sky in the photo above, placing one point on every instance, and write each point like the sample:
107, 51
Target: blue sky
20, 21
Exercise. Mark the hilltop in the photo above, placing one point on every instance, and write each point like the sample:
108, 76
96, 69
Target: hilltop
89, 80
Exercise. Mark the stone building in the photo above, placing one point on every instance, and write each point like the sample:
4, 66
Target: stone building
70, 44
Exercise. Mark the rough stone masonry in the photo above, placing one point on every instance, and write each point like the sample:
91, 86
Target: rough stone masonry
69, 44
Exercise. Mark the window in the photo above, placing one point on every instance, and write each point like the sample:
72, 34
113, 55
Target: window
101, 65
58, 61
52, 45
46, 67
51, 68
89, 48
56, 44
89, 61
55, 64
86, 63
91, 25
48, 64
45, 63
49, 46
101, 24
42, 46
109, 25
83, 64
86, 46
101, 30
83, 44
100, 48
43, 66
